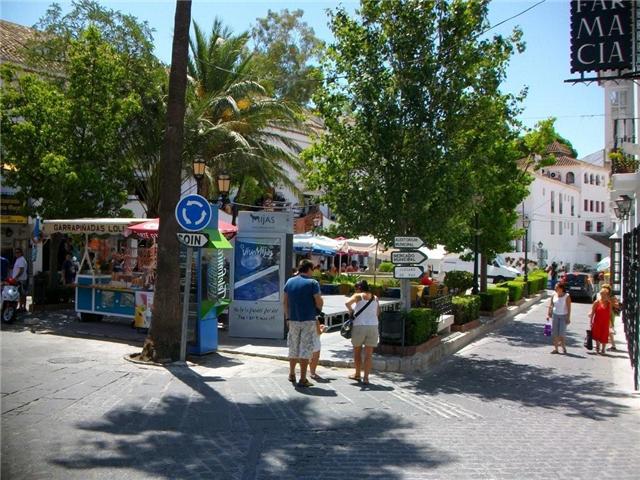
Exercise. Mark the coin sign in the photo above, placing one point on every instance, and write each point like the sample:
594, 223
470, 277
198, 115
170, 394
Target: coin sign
196, 240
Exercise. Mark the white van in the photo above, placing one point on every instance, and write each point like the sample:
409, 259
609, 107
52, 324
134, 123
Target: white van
498, 270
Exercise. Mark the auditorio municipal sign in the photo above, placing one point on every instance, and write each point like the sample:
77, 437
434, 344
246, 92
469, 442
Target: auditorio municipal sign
601, 35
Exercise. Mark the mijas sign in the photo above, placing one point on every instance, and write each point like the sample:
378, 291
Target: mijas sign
601, 35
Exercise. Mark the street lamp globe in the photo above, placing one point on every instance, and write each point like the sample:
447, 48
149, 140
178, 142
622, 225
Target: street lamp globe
199, 166
224, 183
623, 202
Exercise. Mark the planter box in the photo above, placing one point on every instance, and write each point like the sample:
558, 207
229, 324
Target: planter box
518, 303
495, 313
407, 351
466, 327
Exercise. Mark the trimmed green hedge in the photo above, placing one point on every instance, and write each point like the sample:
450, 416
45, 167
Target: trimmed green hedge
466, 308
537, 281
385, 267
458, 281
516, 289
493, 299
421, 324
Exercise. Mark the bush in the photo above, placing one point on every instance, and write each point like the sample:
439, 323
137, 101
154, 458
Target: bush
516, 289
458, 281
385, 267
421, 324
466, 308
493, 299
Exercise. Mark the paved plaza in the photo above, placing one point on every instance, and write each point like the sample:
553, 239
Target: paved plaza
503, 407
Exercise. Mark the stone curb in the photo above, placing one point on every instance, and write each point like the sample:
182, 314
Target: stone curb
449, 345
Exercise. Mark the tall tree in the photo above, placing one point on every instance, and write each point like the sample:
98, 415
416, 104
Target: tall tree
408, 83
65, 139
286, 48
163, 342
232, 122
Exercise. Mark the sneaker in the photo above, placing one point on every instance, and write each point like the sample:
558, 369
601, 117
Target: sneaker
305, 383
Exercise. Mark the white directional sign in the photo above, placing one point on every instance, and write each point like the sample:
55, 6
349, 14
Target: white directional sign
407, 272
195, 240
410, 257
407, 242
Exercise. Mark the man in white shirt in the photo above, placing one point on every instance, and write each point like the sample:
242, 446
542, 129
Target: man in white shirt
19, 273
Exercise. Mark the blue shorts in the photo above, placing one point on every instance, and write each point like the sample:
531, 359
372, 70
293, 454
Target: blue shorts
559, 325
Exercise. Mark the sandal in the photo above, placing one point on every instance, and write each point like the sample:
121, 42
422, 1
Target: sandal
554, 352
365, 381
315, 376
305, 383
354, 377
292, 378
564, 350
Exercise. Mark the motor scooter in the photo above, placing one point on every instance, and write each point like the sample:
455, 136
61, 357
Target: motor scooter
10, 296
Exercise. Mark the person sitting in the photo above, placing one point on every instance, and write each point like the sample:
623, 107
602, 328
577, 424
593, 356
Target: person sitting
426, 279
353, 267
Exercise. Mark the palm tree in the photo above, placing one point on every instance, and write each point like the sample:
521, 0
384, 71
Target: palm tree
231, 122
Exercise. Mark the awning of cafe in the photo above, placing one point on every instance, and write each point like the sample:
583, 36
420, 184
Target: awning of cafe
315, 244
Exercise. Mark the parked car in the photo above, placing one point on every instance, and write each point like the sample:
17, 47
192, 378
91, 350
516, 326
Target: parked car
497, 270
580, 286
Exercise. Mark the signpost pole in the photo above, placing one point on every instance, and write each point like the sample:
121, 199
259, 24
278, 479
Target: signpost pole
405, 290
185, 305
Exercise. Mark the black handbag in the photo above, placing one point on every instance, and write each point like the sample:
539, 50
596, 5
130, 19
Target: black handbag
588, 341
347, 326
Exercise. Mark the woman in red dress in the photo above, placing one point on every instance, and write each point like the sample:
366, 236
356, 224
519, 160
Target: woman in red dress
600, 315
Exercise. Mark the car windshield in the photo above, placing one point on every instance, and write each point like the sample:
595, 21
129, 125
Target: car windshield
576, 279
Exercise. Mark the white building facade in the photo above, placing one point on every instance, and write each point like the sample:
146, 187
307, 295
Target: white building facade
568, 206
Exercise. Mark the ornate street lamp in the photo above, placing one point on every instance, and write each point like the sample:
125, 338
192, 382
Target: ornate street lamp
525, 224
199, 167
623, 202
224, 184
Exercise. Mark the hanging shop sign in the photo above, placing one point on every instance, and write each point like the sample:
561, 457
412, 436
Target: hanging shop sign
601, 35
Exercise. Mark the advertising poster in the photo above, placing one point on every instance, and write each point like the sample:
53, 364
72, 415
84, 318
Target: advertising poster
144, 304
257, 269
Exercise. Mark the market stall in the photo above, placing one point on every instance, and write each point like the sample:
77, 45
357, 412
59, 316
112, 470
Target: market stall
115, 273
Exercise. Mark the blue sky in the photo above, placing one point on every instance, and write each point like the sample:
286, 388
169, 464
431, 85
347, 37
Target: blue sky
543, 67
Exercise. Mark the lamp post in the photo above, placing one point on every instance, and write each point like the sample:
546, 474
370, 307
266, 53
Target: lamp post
224, 184
525, 224
623, 204
199, 166
477, 199
540, 255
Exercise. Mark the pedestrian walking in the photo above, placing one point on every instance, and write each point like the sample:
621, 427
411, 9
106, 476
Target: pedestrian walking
560, 312
553, 274
19, 273
600, 316
364, 335
302, 301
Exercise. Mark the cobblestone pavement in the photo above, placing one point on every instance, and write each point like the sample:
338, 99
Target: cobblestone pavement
503, 407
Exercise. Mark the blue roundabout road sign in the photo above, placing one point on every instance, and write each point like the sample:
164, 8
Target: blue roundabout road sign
193, 213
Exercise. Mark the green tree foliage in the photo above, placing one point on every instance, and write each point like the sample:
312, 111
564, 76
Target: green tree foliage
65, 139
410, 84
285, 49
232, 122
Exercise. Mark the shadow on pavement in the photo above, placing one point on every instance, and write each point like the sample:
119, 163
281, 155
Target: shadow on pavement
207, 431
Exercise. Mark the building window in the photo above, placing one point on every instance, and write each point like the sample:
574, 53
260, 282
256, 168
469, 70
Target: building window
572, 208
586, 205
597, 179
586, 178
560, 228
600, 227
591, 179
597, 207
591, 205
560, 203
553, 202
598, 257
602, 207
571, 228
553, 227
571, 178
587, 226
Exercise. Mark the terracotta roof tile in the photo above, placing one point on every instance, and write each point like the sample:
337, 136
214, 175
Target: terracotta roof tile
565, 161
14, 39
558, 148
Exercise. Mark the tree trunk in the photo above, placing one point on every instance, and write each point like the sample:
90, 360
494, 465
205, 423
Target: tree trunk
483, 272
163, 342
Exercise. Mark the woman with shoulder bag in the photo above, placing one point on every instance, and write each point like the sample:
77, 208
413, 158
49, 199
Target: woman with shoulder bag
364, 307
560, 311
600, 316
